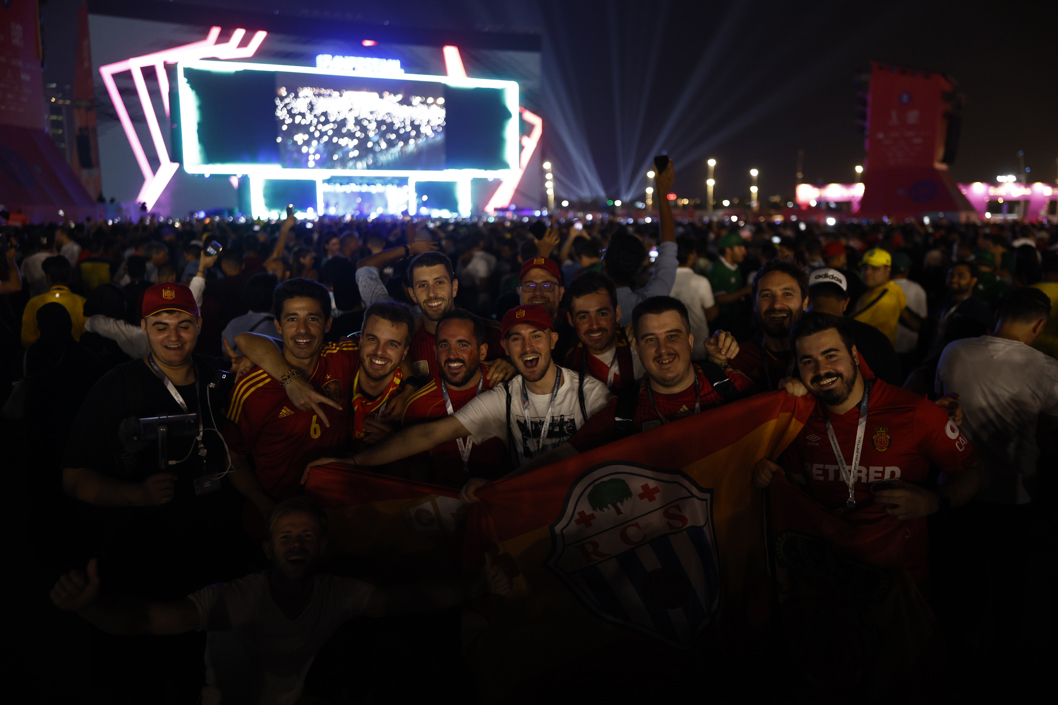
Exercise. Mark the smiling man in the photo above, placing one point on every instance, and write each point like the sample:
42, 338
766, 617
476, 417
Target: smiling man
675, 387
460, 356
263, 631
264, 423
603, 351
882, 440
780, 294
536, 411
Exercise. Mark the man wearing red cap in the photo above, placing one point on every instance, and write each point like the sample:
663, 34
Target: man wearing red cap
184, 529
540, 283
536, 411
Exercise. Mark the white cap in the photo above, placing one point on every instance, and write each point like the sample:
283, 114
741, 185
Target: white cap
827, 276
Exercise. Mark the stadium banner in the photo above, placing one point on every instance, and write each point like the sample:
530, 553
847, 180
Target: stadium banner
852, 618
644, 556
389, 529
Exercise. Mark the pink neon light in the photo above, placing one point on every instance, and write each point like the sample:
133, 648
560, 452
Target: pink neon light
155, 182
504, 194
369, 42
454, 62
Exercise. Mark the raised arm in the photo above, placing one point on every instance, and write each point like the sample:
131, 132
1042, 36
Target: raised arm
387, 257
666, 264
412, 440
284, 233
78, 592
264, 352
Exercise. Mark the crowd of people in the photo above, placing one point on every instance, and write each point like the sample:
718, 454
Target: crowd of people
171, 384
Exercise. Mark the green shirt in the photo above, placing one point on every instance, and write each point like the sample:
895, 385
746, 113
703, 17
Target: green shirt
725, 280
990, 288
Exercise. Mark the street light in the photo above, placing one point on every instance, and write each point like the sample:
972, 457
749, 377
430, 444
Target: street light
859, 172
549, 184
709, 183
753, 190
650, 188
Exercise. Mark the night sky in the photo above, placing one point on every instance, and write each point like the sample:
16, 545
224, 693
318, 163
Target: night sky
748, 83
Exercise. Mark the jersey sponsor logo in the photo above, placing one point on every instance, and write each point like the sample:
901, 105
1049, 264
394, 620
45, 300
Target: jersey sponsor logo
824, 472
285, 412
952, 430
881, 438
637, 546
333, 390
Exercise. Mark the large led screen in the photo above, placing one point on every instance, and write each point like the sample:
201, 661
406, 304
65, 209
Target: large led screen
267, 119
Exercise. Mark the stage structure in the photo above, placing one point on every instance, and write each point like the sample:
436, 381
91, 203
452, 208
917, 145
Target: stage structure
261, 112
912, 130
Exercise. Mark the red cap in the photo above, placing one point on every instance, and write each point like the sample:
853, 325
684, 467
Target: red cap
833, 249
169, 296
530, 314
545, 263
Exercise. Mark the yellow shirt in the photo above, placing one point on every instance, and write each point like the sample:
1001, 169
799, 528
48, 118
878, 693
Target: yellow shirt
881, 307
57, 294
1047, 342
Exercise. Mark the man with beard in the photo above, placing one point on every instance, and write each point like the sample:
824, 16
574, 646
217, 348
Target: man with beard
264, 424
535, 411
959, 302
264, 630
277, 411
884, 301
540, 284
780, 294
675, 387
826, 293
882, 440
603, 351
460, 356
432, 286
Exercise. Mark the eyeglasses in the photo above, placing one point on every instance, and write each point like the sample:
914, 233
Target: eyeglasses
530, 287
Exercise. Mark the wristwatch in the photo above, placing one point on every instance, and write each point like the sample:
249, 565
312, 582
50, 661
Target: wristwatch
943, 504
407, 252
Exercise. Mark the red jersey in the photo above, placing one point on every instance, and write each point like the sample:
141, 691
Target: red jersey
904, 434
282, 439
363, 405
422, 353
580, 359
489, 460
599, 429
761, 365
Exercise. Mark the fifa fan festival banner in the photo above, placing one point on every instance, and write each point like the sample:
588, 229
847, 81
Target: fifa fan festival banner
622, 558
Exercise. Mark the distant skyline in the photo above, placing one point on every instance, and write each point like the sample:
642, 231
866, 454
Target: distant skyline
747, 83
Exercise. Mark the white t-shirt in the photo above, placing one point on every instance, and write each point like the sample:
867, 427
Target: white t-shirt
696, 293
254, 652
33, 273
1004, 385
485, 416
907, 339
607, 358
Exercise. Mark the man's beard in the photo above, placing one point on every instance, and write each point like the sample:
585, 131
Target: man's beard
465, 374
839, 393
778, 328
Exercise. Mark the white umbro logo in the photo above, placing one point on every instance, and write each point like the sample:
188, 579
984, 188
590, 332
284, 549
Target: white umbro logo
813, 438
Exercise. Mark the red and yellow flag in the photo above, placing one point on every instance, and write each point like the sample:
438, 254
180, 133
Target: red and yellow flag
398, 530
627, 555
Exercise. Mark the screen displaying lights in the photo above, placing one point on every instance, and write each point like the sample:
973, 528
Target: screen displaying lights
296, 122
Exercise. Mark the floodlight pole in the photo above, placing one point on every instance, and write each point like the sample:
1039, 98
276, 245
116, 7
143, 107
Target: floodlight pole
650, 189
753, 190
709, 184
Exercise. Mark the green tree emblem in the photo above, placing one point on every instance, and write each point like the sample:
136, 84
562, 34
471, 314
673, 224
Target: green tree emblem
609, 493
